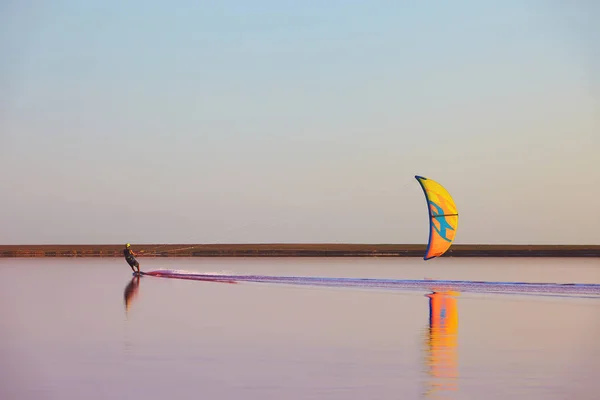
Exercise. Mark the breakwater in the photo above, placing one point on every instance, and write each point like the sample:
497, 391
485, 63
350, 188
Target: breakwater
295, 250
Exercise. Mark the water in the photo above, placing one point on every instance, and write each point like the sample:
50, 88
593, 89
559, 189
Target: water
69, 333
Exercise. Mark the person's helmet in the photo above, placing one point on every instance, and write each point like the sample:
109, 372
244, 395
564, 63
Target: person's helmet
128, 245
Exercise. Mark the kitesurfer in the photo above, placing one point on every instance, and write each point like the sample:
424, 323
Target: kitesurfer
130, 258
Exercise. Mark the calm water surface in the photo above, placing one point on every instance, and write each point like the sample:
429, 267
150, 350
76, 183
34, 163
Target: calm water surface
84, 329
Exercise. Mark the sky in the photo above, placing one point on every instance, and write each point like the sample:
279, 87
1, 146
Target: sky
280, 121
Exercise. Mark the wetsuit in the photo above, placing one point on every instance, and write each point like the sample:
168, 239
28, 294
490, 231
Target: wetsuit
131, 259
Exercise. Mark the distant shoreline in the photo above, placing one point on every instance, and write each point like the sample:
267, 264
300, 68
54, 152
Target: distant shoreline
296, 250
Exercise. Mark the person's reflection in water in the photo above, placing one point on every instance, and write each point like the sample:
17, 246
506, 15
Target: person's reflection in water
131, 291
441, 347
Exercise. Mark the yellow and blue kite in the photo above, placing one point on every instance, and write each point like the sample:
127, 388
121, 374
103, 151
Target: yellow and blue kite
443, 217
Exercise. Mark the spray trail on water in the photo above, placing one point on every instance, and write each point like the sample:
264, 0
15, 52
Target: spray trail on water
579, 289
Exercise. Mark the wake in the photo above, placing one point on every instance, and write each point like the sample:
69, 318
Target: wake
578, 289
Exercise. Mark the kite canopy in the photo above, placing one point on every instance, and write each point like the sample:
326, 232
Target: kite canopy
443, 217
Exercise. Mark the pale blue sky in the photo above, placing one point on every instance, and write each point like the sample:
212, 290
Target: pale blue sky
281, 121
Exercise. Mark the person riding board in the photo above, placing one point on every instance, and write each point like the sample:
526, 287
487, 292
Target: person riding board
130, 258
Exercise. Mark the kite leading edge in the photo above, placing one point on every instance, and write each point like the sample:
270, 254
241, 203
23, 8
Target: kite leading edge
443, 217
